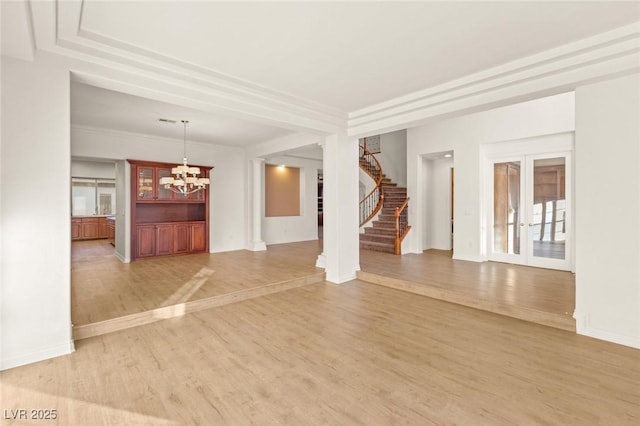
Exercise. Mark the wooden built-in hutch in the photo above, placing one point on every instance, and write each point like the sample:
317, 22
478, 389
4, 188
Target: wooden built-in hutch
163, 222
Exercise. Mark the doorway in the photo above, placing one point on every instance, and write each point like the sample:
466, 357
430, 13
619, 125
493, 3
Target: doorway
530, 217
438, 227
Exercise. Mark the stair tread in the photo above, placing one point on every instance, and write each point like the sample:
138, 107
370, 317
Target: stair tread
386, 248
374, 237
376, 243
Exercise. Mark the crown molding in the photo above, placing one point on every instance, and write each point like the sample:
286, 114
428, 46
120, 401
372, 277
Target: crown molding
58, 29
560, 69
115, 65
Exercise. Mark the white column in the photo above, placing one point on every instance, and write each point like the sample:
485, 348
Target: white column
256, 243
341, 234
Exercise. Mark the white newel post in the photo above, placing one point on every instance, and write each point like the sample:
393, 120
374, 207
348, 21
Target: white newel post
256, 243
340, 208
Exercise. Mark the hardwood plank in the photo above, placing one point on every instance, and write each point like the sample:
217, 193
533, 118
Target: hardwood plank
561, 321
179, 309
536, 289
354, 353
104, 288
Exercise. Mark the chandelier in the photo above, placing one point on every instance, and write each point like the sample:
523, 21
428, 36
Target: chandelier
186, 179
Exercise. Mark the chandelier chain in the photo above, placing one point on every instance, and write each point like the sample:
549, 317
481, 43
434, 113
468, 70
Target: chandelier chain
185, 180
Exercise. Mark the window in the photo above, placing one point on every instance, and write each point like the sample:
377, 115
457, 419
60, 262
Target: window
93, 196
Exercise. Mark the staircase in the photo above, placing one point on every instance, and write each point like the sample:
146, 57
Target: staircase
391, 226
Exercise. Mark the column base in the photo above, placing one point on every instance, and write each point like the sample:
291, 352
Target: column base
257, 246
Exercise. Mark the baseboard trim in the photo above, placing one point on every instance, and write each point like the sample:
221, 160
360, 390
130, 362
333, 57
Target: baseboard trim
257, 246
343, 278
173, 311
610, 337
321, 261
120, 257
39, 355
477, 259
562, 322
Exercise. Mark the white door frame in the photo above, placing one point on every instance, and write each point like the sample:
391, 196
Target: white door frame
526, 151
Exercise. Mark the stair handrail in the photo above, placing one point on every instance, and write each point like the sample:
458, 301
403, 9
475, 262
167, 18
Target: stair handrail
371, 204
402, 226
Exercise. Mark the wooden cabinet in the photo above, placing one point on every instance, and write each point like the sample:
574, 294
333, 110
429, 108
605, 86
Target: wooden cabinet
197, 237
89, 228
76, 229
111, 230
165, 223
103, 228
147, 188
181, 238
163, 239
146, 241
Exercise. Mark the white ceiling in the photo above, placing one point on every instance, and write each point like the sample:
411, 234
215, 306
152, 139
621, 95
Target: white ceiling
95, 107
338, 56
349, 55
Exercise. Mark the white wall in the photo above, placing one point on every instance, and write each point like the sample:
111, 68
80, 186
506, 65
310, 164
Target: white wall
607, 171
438, 204
93, 169
228, 178
393, 156
36, 230
123, 206
464, 136
277, 230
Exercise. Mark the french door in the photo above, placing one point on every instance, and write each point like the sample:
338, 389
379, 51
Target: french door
530, 217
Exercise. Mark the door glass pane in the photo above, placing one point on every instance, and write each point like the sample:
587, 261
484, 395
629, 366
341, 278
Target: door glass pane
549, 208
506, 207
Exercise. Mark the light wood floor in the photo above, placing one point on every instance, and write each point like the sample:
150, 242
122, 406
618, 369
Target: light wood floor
108, 295
353, 354
104, 288
544, 296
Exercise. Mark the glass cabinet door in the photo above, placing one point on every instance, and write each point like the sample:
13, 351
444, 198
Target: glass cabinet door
162, 192
145, 183
198, 195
